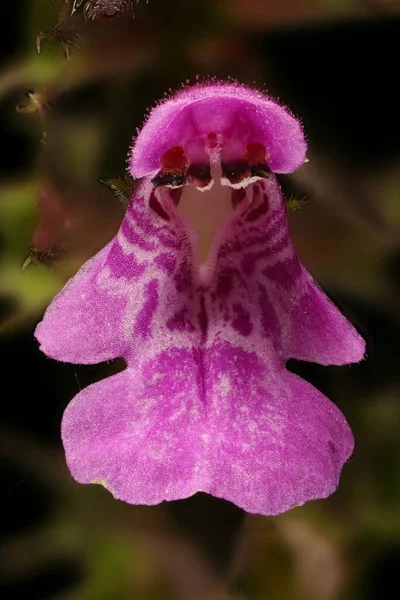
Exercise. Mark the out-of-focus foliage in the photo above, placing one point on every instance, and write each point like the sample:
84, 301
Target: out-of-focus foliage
31, 288
69, 113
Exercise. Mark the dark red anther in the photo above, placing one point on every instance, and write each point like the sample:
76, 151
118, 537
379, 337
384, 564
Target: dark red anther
173, 167
236, 171
255, 154
167, 178
174, 160
199, 174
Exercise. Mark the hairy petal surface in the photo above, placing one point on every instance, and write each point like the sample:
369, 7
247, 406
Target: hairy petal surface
232, 110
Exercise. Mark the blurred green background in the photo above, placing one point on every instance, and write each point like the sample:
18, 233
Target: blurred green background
67, 117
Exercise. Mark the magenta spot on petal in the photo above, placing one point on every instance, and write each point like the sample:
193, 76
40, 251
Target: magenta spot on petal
249, 261
269, 319
134, 237
144, 318
284, 273
180, 322
258, 212
332, 447
156, 206
225, 283
119, 267
242, 321
203, 318
183, 277
239, 246
166, 261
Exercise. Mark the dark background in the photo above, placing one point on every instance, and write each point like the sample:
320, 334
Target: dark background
337, 68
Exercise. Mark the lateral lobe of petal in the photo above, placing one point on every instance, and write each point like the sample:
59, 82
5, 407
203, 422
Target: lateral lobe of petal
289, 312
129, 292
79, 326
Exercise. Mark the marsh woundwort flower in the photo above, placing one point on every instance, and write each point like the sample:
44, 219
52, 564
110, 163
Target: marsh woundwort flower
203, 295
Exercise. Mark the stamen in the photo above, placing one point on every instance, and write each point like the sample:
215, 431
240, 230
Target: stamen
261, 170
256, 157
255, 154
169, 179
173, 166
236, 171
199, 175
174, 160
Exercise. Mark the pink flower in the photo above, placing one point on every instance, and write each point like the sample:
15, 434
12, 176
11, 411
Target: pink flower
202, 293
